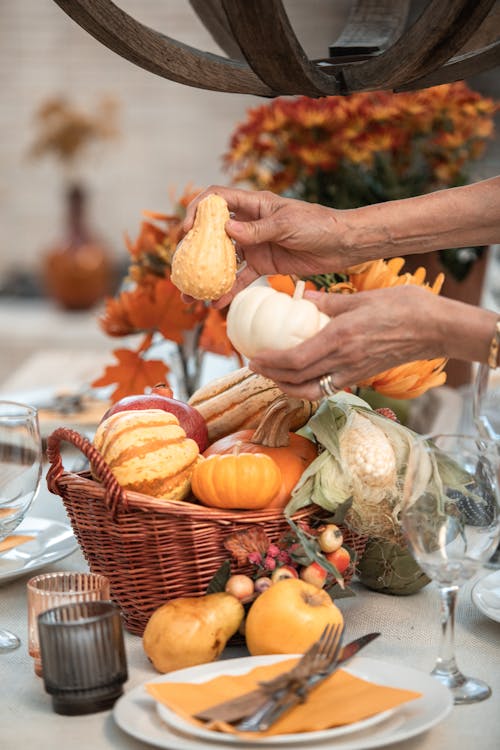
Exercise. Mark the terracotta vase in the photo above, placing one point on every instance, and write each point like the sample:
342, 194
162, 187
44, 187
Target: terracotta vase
469, 290
78, 271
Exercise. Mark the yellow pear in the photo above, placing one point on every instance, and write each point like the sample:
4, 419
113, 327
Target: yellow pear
188, 631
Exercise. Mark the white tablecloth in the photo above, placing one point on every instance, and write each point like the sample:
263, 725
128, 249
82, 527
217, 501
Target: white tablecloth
409, 625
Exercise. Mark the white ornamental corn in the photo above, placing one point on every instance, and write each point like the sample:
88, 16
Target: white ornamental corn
368, 453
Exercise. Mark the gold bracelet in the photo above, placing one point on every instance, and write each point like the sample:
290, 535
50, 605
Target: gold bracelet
494, 347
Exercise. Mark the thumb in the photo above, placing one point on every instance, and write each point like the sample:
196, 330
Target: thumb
331, 304
251, 232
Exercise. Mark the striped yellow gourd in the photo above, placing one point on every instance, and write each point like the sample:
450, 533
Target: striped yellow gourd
239, 400
148, 452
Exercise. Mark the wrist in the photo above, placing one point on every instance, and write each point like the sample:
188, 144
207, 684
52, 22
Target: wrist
387, 230
455, 217
466, 331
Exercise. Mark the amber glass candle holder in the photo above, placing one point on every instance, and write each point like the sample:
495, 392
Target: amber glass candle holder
50, 590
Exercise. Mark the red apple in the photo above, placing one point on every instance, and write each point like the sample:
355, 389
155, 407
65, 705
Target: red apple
284, 571
189, 418
240, 586
315, 574
330, 538
340, 558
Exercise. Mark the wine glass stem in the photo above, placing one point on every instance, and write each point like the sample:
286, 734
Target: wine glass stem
446, 664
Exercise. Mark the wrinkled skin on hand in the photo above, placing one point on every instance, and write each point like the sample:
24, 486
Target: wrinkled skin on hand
272, 234
369, 333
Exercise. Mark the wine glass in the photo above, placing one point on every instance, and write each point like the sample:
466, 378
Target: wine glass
485, 417
20, 474
451, 518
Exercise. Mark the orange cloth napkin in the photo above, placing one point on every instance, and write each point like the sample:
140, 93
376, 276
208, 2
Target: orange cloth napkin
340, 699
14, 540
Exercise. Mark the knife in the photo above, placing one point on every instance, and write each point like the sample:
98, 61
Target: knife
245, 706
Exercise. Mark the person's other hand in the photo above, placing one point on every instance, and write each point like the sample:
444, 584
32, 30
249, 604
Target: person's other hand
369, 332
277, 235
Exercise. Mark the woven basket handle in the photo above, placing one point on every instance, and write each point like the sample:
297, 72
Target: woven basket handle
114, 496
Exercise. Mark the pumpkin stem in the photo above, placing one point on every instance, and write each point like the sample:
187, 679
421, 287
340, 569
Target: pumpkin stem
299, 289
162, 389
274, 427
236, 450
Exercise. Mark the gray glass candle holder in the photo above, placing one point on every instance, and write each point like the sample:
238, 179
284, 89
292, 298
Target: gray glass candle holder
83, 655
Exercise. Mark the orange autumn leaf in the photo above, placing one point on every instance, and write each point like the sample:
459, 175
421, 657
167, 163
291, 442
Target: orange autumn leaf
154, 306
242, 543
176, 316
132, 374
214, 336
149, 237
115, 320
284, 283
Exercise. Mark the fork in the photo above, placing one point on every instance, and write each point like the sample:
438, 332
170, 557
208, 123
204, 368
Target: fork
294, 686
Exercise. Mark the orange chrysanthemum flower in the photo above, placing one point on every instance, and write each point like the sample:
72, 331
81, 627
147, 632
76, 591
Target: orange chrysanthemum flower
381, 274
409, 380
363, 148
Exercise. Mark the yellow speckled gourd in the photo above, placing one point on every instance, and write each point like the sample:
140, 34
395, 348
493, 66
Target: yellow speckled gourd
148, 452
204, 264
238, 401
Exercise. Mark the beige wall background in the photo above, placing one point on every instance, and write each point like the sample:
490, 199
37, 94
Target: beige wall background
171, 134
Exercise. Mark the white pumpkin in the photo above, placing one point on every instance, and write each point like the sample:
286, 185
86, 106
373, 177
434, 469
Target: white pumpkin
259, 318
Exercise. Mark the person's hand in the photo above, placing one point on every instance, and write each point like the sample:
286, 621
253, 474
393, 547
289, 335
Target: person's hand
370, 332
278, 235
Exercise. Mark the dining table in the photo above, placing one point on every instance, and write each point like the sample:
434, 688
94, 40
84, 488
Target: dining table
410, 629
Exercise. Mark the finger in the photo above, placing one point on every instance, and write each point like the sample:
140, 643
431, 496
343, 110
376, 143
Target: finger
332, 304
245, 204
191, 209
252, 232
243, 279
269, 369
305, 361
311, 389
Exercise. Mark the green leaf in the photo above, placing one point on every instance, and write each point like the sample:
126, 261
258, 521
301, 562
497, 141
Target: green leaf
220, 578
337, 592
311, 550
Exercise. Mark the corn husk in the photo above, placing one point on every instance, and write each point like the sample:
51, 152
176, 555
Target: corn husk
330, 482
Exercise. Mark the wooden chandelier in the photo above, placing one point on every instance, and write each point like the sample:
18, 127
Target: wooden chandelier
378, 48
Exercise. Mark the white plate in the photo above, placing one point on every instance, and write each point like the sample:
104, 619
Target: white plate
486, 595
94, 405
234, 667
53, 541
137, 715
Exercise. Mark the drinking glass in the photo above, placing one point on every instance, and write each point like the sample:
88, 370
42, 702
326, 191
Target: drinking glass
20, 474
451, 519
486, 420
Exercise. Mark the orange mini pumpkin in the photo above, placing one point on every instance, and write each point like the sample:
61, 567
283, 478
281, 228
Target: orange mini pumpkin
292, 453
243, 481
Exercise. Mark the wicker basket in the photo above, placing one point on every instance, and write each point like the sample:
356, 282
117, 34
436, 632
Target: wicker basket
151, 550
